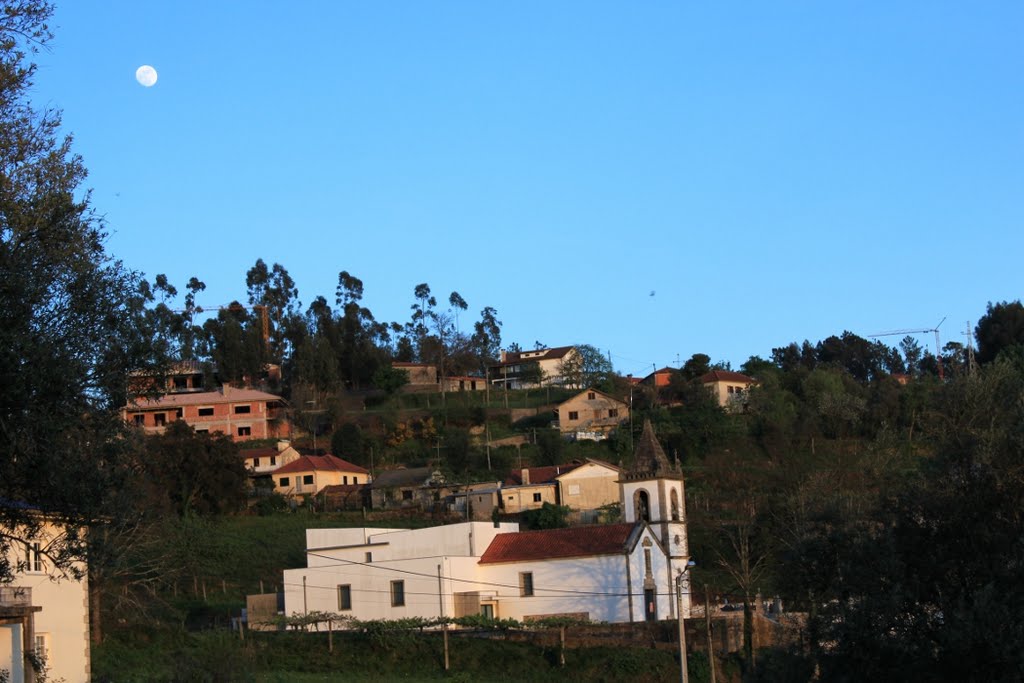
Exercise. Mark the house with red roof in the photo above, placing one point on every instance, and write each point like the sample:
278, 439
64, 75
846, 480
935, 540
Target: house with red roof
622, 572
582, 486
611, 573
307, 475
728, 387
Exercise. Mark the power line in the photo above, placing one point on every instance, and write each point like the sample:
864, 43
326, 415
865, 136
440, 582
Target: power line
340, 562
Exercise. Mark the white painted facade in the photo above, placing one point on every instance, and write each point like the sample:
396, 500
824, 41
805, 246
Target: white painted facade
440, 571
59, 630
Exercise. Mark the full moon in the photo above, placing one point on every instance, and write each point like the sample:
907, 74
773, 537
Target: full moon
146, 75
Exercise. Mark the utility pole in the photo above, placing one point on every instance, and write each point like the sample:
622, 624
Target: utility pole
444, 626
684, 674
711, 640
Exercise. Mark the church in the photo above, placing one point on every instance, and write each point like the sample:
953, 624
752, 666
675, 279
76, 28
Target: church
622, 572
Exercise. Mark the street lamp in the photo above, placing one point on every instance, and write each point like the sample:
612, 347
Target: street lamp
683, 584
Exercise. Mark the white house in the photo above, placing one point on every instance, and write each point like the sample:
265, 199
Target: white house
616, 572
44, 613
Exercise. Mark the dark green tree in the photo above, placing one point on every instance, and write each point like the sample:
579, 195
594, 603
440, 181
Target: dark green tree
1002, 326
347, 443
72, 319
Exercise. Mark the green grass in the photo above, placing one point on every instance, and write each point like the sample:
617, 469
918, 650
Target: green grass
284, 657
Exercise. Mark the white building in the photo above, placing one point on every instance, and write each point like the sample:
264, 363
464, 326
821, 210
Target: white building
44, 613
616, 572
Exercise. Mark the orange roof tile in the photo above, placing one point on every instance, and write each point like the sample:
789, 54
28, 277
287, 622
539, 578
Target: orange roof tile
326, 463
581, 541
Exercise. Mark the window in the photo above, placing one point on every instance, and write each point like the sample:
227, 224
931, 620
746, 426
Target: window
255, 462
245, 431
406, 495
613, 412
536, 498
369, 557
574, 489
574, 415
731, 389
140, 420
33, 558
285, 481
243, 410
206, 412
181, 383
42, 646
160, 419
344, 597
202, 431
525, 584
647, 562
591, 395
273, 460
344, 480
398, 593
307, 479
355, 480
179, 413
487, 610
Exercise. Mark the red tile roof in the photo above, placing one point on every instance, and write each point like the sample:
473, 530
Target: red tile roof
725, 376
310, 463
581, 541
541, 475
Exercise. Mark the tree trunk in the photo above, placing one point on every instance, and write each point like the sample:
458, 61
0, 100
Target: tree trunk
95, 622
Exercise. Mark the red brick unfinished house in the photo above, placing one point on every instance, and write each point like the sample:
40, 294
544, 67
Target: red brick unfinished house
241, 413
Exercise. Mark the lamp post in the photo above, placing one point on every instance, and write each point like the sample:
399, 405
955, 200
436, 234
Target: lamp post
683, 583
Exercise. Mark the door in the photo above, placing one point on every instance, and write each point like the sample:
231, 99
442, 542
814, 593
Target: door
650, 605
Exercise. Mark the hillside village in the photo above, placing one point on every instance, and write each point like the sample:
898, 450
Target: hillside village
261, 489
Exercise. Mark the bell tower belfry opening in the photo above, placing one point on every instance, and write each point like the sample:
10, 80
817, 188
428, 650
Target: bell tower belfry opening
652, 491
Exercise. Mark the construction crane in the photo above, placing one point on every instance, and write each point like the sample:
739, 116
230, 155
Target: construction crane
938, 350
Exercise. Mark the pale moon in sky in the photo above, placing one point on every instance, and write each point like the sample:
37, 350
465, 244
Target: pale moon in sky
146, 75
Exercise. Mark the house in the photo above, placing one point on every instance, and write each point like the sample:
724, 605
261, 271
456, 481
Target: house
583, 487
455, 383
421, 375
307, 475
591, 414
241, 413
528, 369
613, 573
616, 573
659, 378
413, 487
728, 387
262, 462
336, 497
44, 612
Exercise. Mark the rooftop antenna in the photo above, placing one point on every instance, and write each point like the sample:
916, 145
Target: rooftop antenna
938, 349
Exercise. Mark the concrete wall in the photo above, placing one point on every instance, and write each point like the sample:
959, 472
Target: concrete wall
589, 486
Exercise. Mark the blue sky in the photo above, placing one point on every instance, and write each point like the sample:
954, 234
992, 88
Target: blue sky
773, 172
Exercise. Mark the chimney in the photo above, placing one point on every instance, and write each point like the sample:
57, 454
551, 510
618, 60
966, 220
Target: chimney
525, 475
502, 356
